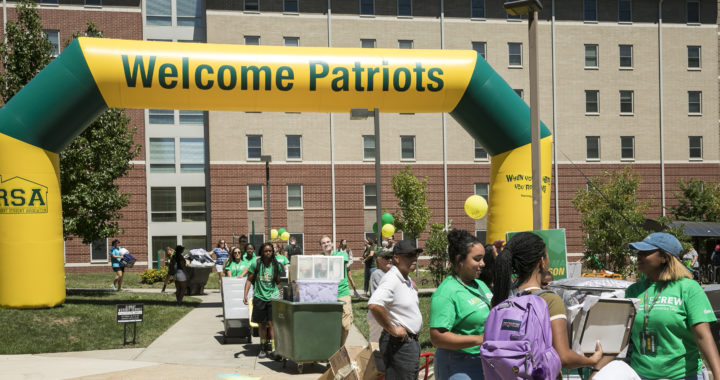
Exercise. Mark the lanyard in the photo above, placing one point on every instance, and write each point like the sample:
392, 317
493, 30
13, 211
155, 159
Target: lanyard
647, 308
476, 292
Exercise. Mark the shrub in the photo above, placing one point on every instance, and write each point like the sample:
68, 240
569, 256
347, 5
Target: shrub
436, 246
152, 276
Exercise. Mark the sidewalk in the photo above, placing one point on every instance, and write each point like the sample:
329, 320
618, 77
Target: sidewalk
190, 349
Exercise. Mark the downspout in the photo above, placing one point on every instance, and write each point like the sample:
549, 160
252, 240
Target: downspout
554, 113
332, 134
660, 92
444, 134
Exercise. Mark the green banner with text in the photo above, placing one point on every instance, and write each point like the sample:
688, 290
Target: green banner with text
556, 249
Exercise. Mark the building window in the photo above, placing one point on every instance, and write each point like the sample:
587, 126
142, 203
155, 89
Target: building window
191, 117
370, 195
159, 243
299, 239
255, 196
693, 54
54, 37
405, 44
158, 12
591, 56
407, 147
515, 54
192, 242
291, 41
161, 117
193, 204
254, 147
481, 235
163, 204
627, 147
368, 147
626, 56
592, 144
291, 6
695, 102
693, 12
480, 153
367, 43
626, 102
367, 7
93, 3
404, 7
55, 2
480, 47
589, 10
190, 13
192, 155
294, 147
695, 147
252, 40
477, 9
294, 196
483, 189
624, 10
162, 155
592, 101
252, 5
99, 250
519, 92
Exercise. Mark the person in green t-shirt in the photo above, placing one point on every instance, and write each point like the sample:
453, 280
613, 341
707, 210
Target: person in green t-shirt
458, 310
672, 325
326, 245
235, 267
264, 275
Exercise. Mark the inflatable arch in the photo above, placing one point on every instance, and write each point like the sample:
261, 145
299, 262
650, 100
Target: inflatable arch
94, 74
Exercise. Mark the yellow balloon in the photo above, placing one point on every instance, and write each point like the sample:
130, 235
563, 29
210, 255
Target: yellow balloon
273, 234
285, 236
388, 230
476, 206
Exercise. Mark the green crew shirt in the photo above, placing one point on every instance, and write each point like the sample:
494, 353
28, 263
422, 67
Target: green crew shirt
343, 286
248, 261
265, 288
680, 305
460, 308
235, 268
282, 260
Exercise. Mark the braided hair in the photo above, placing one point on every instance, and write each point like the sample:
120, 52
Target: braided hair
520, 256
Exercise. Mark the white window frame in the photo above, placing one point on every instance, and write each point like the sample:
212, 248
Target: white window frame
690, 148
699, 66
183, 211
597, 56
632, 103
476, 45
410, 42
289, 39
699, 103
480, 157
597, 102
250, 37
155, 166
478, 189
173, 211
405, 137
187, 166
368, 40
631, 13
262, 196
287, 148
587, 148
632, 139
247, 148
287, 191
620, 56
365, 196
364, 148
56, 33
510, 55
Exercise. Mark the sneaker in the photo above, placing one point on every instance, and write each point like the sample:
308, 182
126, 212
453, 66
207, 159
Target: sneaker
262, 354
113, 286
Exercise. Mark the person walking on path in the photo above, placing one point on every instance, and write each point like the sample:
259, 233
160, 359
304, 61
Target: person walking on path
395, 306
181, 274
326, 245
117, 266
368, 258
264, 275
220, 255
169, 253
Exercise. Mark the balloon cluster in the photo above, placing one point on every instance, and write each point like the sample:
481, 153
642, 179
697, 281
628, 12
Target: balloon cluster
388, 228
284, 235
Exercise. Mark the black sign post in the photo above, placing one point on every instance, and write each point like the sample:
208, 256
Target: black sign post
129, 314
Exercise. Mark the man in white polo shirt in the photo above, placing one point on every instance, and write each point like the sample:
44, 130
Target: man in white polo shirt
395, 306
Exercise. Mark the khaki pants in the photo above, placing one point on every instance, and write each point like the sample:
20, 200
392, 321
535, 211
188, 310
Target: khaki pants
347, 318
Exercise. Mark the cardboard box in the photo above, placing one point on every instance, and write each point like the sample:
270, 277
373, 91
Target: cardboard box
356, 363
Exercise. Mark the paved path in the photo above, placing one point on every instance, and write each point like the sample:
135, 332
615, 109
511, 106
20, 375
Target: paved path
190, 349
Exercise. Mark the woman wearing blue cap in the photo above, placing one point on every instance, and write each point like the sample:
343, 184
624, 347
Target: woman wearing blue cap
671, 328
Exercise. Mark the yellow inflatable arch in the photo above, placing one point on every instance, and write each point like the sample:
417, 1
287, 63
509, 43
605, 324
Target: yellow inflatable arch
94, 74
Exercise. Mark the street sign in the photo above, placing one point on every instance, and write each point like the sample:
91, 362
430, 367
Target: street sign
129, 313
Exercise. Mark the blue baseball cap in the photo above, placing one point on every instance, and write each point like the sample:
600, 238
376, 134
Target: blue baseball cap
659, 240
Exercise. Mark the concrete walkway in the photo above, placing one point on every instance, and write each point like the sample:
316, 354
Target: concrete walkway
190, 349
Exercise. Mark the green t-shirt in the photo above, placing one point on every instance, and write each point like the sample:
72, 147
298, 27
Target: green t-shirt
235, 268
249, 261
343, 287
681, 305
265, 288
282, 260
461, 309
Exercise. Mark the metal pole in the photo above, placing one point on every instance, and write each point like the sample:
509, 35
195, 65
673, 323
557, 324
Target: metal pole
332, 136
444, 127
535, 122
376, 119
267, 186
660, 109
555, 136
5, 20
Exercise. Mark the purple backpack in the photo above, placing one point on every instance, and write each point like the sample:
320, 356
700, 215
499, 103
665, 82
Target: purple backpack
518, 341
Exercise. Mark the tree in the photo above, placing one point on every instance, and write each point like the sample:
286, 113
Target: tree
89, 168
26, 52
411, 193
612, 217
436, 246
697, 201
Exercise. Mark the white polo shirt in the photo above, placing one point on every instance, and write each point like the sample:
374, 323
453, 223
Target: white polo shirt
398, 297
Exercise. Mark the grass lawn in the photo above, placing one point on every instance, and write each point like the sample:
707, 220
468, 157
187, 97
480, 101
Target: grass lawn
87, 321
360, 320
130, 280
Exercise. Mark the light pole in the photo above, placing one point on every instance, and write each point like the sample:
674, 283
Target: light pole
531, 8
267, 160
362, 114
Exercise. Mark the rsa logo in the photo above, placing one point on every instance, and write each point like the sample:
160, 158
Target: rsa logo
21, 196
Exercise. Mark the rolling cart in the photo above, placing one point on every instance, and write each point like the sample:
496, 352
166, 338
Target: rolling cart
236, 314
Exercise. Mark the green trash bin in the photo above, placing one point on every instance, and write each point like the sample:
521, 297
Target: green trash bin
306, 332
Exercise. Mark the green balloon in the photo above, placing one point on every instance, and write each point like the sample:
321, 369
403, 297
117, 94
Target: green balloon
281, 231
375, 227
387, 218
